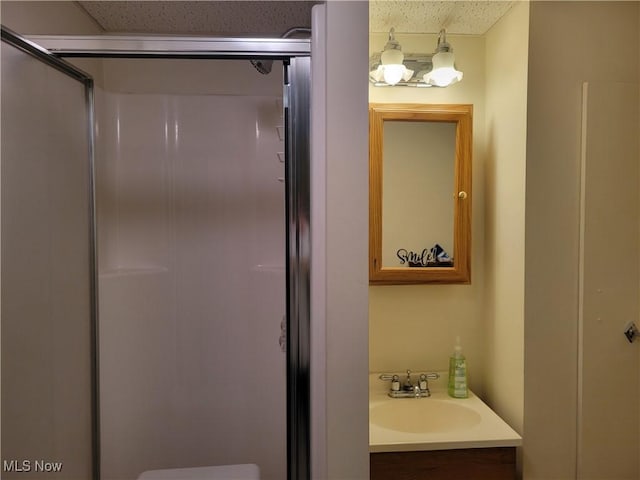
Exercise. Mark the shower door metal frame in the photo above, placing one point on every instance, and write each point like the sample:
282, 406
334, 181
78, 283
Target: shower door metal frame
295, 55
297, 105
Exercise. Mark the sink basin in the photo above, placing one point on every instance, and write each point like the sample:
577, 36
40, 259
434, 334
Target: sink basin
435, 423
423, 415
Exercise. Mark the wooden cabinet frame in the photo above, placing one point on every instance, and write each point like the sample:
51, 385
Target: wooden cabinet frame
461, 115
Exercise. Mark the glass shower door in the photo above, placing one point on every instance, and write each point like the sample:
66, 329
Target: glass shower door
191, 194
47, 300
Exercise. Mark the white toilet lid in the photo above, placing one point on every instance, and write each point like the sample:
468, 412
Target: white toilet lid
247, 471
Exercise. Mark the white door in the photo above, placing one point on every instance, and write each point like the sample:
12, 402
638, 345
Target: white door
609, 375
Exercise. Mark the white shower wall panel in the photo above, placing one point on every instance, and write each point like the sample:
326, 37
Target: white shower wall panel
192, 285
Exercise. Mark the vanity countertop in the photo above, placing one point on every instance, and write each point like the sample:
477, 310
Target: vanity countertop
438, 422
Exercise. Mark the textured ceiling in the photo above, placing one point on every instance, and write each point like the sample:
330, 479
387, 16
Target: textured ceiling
458, 17
265, 18
272, 18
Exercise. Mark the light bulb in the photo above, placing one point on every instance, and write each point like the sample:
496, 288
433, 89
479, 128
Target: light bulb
443, 73
393, 73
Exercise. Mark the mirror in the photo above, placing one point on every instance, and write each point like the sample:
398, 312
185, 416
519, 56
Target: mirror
419, 193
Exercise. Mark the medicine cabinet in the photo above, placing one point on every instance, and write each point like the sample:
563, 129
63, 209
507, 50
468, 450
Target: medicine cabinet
420, 193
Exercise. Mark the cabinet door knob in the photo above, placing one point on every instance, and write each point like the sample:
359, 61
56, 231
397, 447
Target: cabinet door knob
462, 195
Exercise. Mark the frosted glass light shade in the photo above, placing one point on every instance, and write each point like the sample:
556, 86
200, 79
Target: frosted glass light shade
389, 74
393, 68
392, 56
443, 73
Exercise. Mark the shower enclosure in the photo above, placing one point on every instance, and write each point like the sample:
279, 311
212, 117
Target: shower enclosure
184, 292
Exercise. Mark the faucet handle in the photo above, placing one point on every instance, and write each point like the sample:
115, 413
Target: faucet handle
395, 380
425, 377
424, 381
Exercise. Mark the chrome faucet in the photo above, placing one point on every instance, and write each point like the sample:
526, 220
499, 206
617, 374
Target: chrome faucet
417, 392
408, 390
408, 386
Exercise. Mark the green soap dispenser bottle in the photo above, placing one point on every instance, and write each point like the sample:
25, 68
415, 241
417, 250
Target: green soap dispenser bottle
458, 373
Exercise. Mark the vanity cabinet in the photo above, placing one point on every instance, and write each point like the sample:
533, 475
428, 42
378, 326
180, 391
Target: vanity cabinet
497, 463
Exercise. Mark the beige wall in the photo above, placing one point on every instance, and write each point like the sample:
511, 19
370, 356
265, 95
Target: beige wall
415, 326
47, 18
506, 97
565, 38
35, 18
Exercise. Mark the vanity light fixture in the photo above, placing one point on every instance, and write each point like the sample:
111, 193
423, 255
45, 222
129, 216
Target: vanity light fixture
391, 69
443, 72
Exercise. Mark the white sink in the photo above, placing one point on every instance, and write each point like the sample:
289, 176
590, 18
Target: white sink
438, 422
423, 415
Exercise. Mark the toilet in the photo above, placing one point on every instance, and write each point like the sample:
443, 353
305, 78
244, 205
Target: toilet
247, 471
